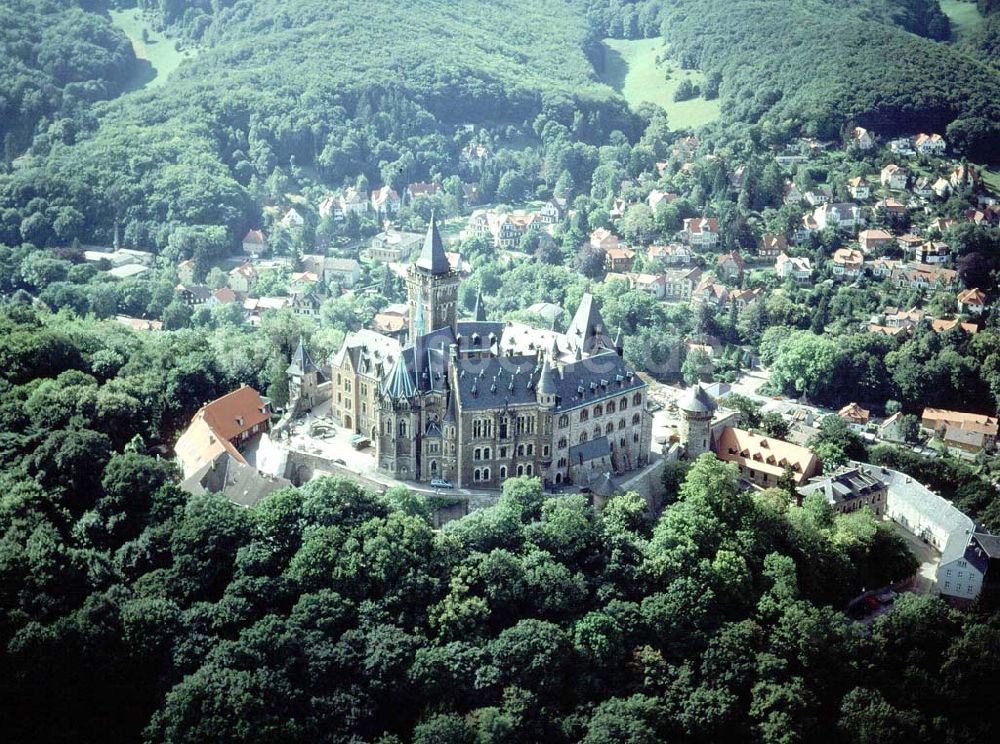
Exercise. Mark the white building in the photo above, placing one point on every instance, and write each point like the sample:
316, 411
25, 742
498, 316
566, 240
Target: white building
936, 521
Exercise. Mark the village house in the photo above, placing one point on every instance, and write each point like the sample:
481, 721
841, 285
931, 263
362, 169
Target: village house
385, 201
223, 426
730, 267
941, 188
619, 259
923, 187
847, 263
305, 304
894, 177
859, 188
254, 243
771, 245
476, 155
345, 272
964, 177
420, 190
765, 461
862, 139
292, 220
846, 217
604, 239
193, 295
929, 144
934, 252
471, 193
873, 240
242, 278
972, 301
679, 285
923, 277
819, 195
896, 318
793, 195
673, 254
657, 197
807, 229
891, 207
186, 271
939, 226
393, 246
908, 243
702, 232
847, 491
254, 308
902, 146
351, 201
744, 298
972, 432
943, 325
552, 211
797, 269
882, 267
711, 293
618, 207
225, 296
857, 418
304, 281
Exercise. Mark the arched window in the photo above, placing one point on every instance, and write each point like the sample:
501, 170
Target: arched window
486, 474
598, 410
402, 428
477, 454
623, 404
527, 469
584, 414
621, 424
487, 453
477, 475
562, 443
609, 428
434, 466
520, 469
635, 418
622, 442
563, 421
583, 437
611, 406
520, 450
597, 432
503, 472
635, 437
637, 399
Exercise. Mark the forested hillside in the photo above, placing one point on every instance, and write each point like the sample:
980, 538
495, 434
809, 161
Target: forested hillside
344, 86
54, 58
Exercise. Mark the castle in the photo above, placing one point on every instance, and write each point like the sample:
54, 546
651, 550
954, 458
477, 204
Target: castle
477, 401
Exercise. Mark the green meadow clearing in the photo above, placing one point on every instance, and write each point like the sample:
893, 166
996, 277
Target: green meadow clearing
155, 48
963, 16
632, 69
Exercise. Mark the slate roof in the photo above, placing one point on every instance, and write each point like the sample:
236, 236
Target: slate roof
432, 257
301, 363
587, 332
844, 486
240, 483
696, 400
590, 450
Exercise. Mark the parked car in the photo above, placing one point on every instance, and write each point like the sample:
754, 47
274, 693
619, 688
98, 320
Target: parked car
339, 461
440, 483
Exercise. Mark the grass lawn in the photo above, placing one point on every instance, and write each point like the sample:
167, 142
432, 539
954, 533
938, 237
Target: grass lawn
963, 16
991, 177
156, 49
631, 69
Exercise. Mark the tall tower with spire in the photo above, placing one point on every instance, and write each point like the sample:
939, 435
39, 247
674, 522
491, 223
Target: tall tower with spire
432, 287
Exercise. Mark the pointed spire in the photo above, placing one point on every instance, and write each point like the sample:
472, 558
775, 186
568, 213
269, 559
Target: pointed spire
399, 383
480, 312
587, 331
301, 363
432, 258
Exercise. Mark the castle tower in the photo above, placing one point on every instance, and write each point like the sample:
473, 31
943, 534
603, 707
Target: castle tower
432, 287
696, 409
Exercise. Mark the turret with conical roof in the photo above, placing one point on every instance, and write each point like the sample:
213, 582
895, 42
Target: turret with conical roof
697, 409
547, 387
432, 287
